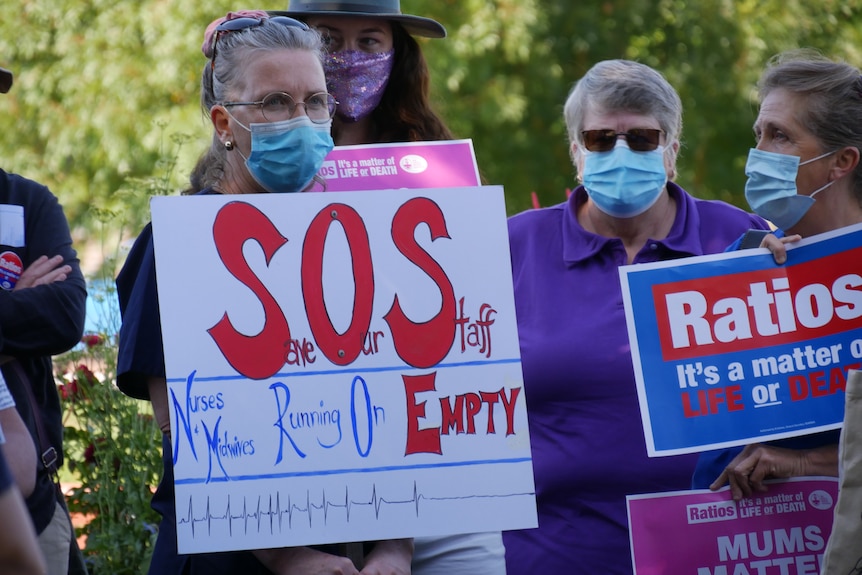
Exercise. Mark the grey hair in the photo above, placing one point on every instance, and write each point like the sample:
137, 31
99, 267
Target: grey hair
833, 98
236, 49
231, 57
623, 86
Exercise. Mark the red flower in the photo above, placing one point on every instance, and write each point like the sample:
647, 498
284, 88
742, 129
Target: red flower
90, 454
92, 339
82, 380
69, 390
84, 377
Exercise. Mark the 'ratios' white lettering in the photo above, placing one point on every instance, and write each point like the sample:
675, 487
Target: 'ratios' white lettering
769, 310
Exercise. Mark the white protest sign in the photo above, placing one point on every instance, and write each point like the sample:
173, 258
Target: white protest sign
341, 367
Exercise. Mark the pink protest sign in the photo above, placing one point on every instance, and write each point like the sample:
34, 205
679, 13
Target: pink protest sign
701, 532
412, 165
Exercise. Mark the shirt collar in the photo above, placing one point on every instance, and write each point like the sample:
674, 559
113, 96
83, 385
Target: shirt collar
683, 238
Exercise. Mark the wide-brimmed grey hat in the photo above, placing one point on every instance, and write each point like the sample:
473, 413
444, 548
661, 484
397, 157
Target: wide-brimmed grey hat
388, 9
5, 80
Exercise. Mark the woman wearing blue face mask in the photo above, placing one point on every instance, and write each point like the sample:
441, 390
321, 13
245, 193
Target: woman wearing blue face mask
588, 446
272, 134
805, 176
264, 89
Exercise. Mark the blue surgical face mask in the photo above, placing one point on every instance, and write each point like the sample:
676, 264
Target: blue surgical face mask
771, 187
286, 155
623, 183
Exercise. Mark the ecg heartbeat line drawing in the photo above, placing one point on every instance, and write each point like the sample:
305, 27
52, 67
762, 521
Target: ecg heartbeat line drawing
273, 513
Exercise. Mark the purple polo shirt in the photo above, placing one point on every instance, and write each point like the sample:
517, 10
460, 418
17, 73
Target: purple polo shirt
587, 442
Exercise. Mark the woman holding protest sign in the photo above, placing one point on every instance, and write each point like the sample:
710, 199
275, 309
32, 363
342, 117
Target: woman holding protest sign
804, 176
624, 122
264, 89
377, 72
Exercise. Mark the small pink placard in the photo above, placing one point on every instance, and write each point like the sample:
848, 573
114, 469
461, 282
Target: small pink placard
412, 165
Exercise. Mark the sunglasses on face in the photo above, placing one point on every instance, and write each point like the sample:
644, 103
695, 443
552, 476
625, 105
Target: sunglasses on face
238, 24
638, 139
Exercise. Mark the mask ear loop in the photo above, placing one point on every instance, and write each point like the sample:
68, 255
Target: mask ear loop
821, 188
821, 156
229, 145
232, 117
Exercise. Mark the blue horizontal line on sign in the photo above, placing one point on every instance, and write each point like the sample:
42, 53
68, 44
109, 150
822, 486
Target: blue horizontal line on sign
201, 480
354, 370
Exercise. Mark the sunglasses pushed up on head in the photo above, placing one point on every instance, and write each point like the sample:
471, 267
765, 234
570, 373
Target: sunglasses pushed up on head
246, 22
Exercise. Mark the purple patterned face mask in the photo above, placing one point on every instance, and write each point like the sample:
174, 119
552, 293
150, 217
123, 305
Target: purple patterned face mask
357, 80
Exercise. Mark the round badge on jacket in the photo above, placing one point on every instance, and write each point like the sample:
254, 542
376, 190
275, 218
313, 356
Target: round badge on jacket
11, 267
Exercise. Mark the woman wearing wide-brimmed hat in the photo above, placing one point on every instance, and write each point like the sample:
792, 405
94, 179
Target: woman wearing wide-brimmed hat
375, 69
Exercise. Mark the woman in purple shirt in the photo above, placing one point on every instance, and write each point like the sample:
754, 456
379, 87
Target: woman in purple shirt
624, 122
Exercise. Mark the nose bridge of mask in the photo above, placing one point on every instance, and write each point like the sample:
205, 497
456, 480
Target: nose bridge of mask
266, 128
646, 162
623, 157
642, 157
773, 165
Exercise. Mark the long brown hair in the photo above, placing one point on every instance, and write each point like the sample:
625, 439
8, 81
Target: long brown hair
405, 113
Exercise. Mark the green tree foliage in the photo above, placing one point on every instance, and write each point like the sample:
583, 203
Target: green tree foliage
509, 65
103, 87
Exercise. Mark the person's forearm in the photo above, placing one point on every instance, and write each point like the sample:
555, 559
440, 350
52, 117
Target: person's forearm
43, 320
821, 461
19, 550
158, 387
20, 451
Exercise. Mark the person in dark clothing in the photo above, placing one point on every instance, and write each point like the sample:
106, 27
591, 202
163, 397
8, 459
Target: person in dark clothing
42, 307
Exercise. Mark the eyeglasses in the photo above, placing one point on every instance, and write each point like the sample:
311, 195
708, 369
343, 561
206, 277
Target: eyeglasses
247, 22
280, 106
638, 139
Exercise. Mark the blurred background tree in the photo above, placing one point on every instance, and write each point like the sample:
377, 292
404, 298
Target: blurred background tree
106, 91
